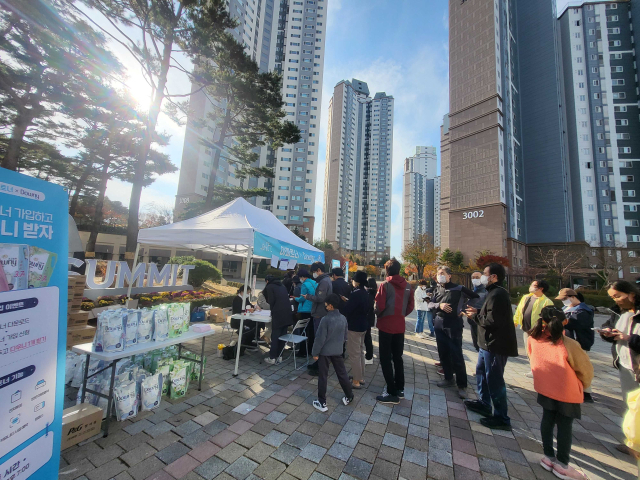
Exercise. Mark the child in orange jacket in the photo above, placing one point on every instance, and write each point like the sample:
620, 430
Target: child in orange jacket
561, 372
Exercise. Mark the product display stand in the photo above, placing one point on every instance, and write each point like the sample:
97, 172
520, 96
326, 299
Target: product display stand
113, 357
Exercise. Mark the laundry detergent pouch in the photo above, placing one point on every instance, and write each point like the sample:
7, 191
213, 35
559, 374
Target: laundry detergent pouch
176, 322
163, 371
161, 325
179, 382
112, 329
14, 258
41, 265
151, 392
126, 400
131, 327
145, 325
186, 316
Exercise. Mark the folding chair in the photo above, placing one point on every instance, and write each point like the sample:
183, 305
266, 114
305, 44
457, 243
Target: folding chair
294, 340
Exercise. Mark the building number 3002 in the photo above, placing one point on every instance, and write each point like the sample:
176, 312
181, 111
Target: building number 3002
475, 214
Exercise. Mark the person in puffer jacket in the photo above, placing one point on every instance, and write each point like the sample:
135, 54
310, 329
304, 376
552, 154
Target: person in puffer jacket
394, 301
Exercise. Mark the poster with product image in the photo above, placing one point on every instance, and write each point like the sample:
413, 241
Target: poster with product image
33, 303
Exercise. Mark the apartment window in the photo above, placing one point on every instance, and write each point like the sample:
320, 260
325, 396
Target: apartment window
283, 197
592, 31
628, 193
582, 98
622, 122
594, 69
592, 222
596, 83
613, 31
623, 136
590, 208
598, 109
281, 207
577, 35
603, 164
632, 254
606, 207
611, 6
615, 56
619, 95
631, 223
609, 237
626, 164
620, 109
633, 238
592, 45
617, 69
627, 178
612, 18
604, 178
624, 149
281, 217
605, 193
617, 81
631, 208
634, 269
607, 222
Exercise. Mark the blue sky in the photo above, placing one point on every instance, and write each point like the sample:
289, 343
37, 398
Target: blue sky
396, 46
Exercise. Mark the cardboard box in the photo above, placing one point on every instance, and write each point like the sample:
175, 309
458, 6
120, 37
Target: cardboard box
79, 423
80, 335
77, 318
74, 303
216, 315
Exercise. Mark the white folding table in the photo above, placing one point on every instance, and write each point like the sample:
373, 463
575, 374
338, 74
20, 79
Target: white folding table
255, 317
113, 357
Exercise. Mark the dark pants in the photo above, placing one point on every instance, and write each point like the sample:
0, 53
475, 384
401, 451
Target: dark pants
277, 345
551, 418
450, 352
368, 345
491, 386
391, 346
323, 375
316, 323
474, 333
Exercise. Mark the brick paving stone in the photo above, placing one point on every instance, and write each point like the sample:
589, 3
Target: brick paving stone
158, 429
211, 468
161, 475
358, 468
313, 452
348, 439
371, 439
182, 466
331, 428
439, 472
270, 469
249, 439
139, 454
318, 476
285, 454
331, 467
76, 470
298, 440
204, 451
241, 468
105, 455
173, 452
439, 443
253, 417
224, 438
341, 452
415, 456
275, 417
262, 427
107, 470
260, 452
275, 438
393, 441
463, 473
287, 427
164, 440
384, 469
138, 427
231, 452
466, 460
215, 427
492, 466
301, 468
377, 428
205, 418
440, 456
143, 469
240, 427
196, 438
389, 454
317, 417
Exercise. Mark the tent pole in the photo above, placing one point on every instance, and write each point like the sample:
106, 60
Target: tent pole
135, 264
244, 303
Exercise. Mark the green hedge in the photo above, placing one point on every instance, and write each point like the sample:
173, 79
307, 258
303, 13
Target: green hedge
220, 302
202, 272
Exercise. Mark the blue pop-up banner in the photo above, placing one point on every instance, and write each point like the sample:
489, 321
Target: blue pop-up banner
33, 322
264, 246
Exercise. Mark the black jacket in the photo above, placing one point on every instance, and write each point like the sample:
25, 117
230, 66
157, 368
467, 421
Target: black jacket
357, 310
341, 288
496, 330
456, 296
287, 282
278, 299
580, 325
634, 340
371, 315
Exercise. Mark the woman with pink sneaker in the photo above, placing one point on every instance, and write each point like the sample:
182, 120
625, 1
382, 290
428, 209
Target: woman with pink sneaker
561, 372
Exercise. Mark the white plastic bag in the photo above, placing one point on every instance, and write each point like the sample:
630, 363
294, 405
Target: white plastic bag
151, 392
126, 400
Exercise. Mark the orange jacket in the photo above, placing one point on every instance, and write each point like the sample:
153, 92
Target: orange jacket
560, 371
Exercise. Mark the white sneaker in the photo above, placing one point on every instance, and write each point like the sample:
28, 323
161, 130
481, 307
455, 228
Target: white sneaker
320, 406
272, 361
368, 362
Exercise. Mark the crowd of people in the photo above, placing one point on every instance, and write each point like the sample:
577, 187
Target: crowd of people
340, 315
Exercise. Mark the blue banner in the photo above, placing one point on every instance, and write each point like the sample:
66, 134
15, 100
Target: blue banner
268, 247
34, 247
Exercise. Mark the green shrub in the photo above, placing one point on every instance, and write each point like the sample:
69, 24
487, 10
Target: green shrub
202, 272
275, 272
220, 302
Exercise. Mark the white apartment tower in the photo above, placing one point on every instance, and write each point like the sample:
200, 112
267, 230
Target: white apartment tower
421, 196
357, 190
287, 36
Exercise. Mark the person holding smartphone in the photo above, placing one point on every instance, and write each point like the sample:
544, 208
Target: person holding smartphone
623, 331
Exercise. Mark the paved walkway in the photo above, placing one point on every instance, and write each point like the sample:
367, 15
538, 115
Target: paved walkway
261, 424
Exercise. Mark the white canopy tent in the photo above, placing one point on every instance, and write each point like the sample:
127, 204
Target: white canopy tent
237, 228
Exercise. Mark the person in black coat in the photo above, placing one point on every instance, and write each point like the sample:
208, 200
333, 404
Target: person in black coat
287, 281
277, 297
497, 342
356, 309
372, 289
340, 286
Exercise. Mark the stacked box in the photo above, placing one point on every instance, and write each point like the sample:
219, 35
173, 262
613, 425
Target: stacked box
80, 335
75, 291
77, 318
78, 332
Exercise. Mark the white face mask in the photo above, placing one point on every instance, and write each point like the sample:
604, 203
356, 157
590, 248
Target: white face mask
567, 302
315, 274
442, 279
476, 282
532, 289
484, 279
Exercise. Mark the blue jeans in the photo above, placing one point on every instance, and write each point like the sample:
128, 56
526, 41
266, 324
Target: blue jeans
491, 386
420, 321
430, 320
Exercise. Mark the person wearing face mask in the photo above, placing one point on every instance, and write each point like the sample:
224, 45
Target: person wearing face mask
324, 288
356, 309
529, 309
479, 282
579, 325
622, 330
447, 304
422, 296
497, 342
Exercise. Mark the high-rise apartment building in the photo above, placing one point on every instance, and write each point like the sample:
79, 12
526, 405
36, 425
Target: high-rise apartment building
357, 190
287, 36
421, 196
601, 100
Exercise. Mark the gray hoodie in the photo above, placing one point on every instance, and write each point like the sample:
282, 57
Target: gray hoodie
331, 335
323, 290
